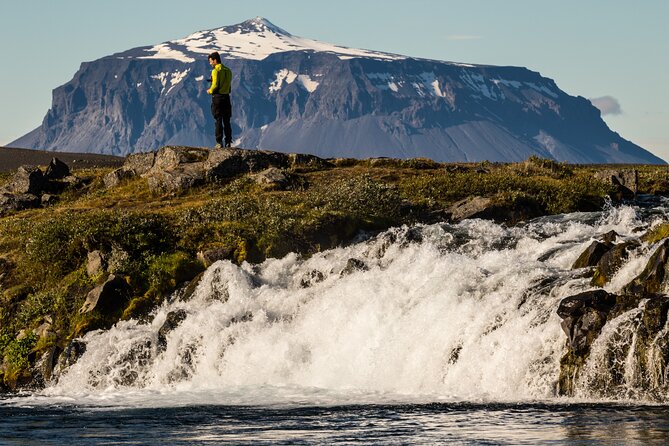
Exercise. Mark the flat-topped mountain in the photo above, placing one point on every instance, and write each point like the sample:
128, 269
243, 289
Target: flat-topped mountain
296, 94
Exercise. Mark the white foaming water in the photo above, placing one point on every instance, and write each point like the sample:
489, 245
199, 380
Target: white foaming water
433, 313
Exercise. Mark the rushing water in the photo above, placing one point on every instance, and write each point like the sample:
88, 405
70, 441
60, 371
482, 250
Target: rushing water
424, 334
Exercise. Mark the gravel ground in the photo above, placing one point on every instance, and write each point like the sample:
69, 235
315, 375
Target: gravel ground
11, 159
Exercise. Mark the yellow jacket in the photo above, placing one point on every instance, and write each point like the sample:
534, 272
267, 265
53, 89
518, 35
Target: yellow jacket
221, 78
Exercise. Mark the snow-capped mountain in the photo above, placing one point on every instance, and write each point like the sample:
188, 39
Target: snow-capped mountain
300, 95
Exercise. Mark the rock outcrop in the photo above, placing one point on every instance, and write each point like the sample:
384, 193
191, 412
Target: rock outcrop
31, 188
585, 315
173, 169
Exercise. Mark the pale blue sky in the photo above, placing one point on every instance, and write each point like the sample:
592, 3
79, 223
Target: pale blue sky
591, 48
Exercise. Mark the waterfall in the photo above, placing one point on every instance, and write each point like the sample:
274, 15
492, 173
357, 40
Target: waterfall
462, 312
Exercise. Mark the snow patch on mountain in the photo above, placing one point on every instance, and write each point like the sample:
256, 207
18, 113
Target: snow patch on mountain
165, 51
288, 77
174, 78
307, 83
254, 39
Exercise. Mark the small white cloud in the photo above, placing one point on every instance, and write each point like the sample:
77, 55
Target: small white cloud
463, 37
608, 105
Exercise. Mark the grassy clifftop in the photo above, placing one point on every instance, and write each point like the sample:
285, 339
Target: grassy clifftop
152, 239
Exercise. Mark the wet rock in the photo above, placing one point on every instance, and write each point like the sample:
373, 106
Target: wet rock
70, 355
108, 298
186, 293
656, 233
172, 321
592, 255
311, 278
611, 261
56, 170
583, 316
45, 368
353, 265
652, 278
609, 237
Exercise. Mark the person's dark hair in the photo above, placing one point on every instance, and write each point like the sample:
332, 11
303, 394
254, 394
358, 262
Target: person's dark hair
215, 56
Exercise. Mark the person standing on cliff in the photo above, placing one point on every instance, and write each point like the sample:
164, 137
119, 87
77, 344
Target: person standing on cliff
221, 107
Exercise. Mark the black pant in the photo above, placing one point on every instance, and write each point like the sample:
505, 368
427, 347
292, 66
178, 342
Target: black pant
221, 110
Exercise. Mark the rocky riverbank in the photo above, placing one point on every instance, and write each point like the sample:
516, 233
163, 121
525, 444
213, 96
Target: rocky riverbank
81, 249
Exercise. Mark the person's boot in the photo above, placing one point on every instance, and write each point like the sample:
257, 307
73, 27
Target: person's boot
218, 146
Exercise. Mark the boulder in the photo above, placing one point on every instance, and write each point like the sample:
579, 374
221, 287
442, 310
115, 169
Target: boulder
44, 369
17, 202
272, 178
95, 264
172, 157
115, 177
48, 199
211, 255
611, 261
302, 160
592, 255
583, 316
73, 181
178, 179
26, 180
108, 298
139, 163
230, 162
74, 350
56, 170
652, 278
499, 208
626, 181
172, 321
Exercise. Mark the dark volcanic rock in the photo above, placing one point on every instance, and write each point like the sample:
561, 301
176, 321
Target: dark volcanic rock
57, 170
653, 278
583, 317
592, 255
108, 298
17, 202
611, 261
172, 321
